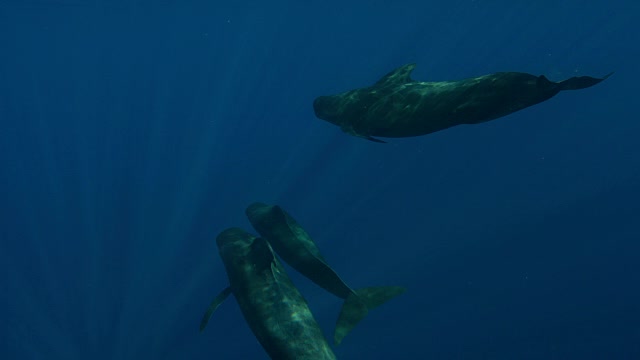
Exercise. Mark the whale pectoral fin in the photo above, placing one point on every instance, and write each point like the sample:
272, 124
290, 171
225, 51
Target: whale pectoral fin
368, 137
349, 130
219, 299
373, 139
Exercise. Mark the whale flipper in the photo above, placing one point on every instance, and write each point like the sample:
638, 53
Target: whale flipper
219, 299
581, 82
357, 305
349, 130
371, 138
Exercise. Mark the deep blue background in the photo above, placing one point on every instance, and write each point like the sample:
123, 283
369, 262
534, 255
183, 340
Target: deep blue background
132, 132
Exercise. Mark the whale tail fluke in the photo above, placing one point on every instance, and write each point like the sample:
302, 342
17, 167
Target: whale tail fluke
357, 305
581, 82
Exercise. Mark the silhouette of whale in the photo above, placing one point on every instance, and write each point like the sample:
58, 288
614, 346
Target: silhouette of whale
292, 243
397, 106
273, 307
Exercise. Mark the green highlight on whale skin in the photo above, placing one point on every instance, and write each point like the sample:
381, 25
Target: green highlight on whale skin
292, 243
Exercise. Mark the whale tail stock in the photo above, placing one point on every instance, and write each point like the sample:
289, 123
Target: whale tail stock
580, 82
357, 305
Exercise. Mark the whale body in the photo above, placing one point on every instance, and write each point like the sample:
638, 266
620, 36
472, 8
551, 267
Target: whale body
273, 307
397, 106
294, 245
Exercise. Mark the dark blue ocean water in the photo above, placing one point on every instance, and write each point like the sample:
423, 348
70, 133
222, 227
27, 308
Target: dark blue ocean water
132, 132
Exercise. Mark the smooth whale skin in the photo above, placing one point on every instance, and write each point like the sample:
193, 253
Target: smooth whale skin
397, 106
292, 243
275, 310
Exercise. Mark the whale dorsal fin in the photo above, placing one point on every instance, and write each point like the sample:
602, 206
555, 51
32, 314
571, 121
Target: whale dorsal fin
401, 75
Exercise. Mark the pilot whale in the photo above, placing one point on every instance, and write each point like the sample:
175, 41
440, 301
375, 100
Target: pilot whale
292, 243
276, 312
397, 106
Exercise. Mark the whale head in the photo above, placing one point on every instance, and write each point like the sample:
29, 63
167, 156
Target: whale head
234, 243
240, 251
328, 108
